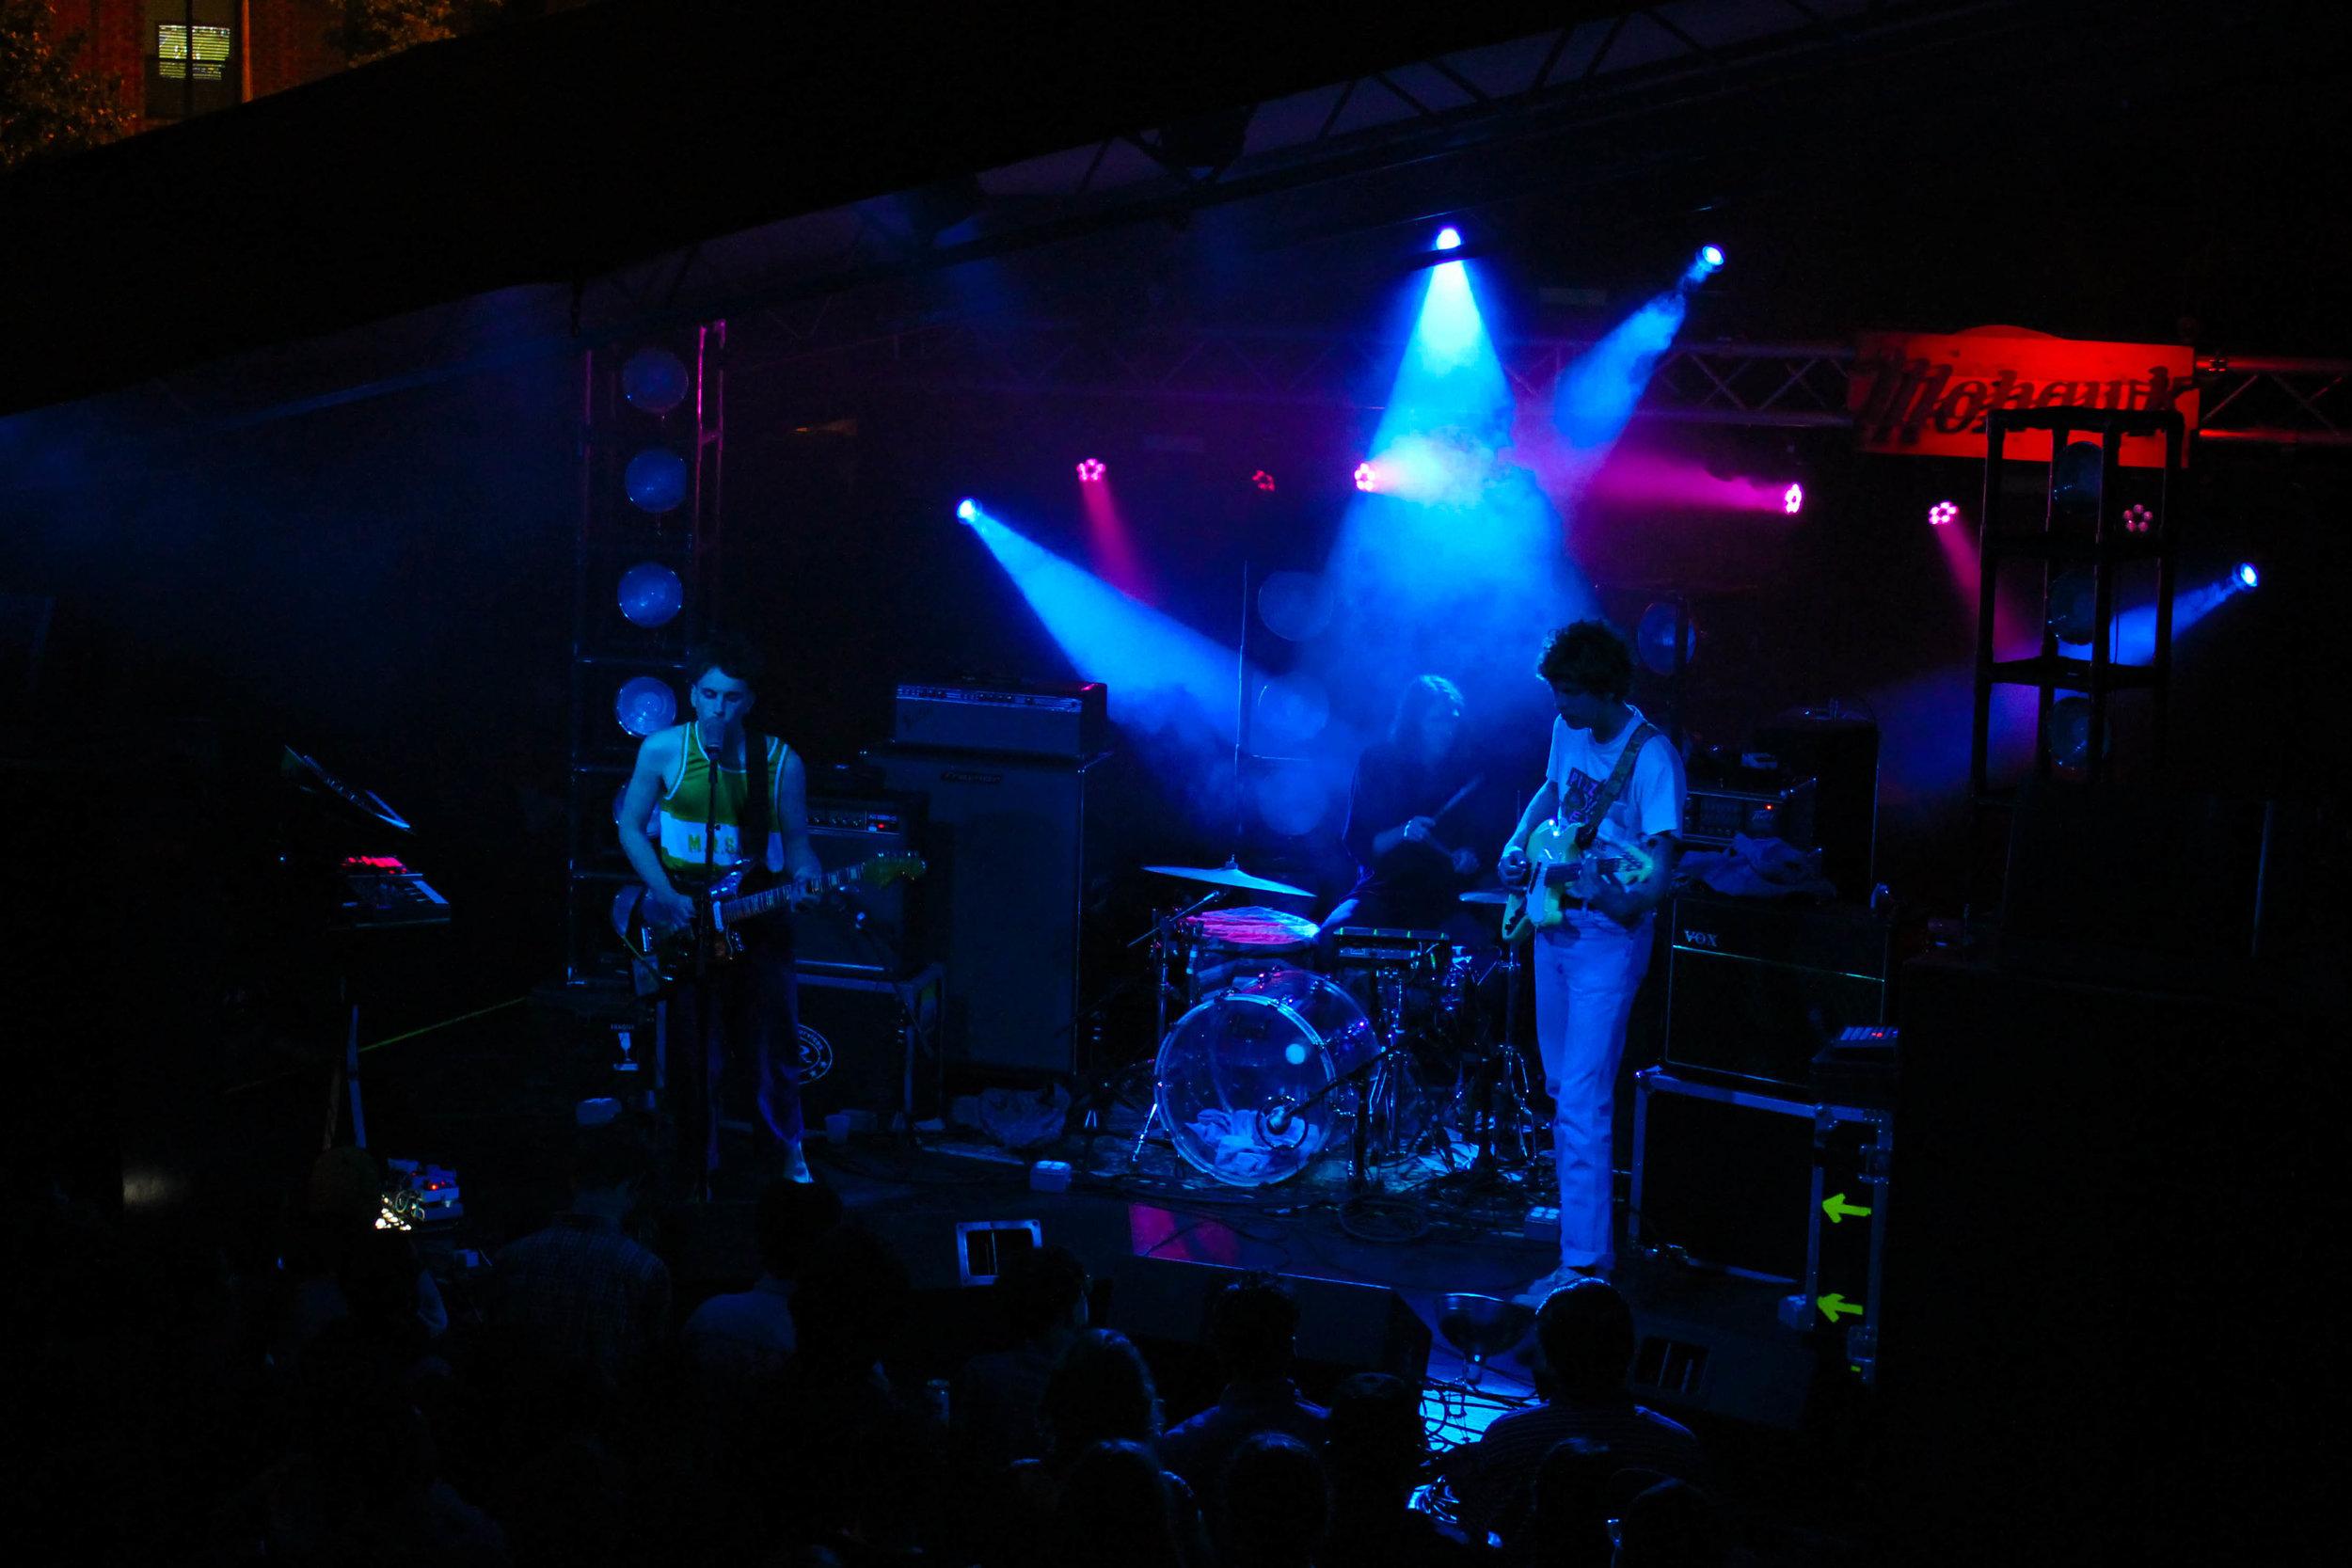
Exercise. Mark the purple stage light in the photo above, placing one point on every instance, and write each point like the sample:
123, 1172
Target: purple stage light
1792, 499
1943, 513
1367, 477
1091, 471
1264, 481
2137, 519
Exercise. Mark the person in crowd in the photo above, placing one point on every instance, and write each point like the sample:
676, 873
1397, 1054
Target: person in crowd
1118, 1508
1277, 1505
1376, 1450
1585, 1333
737, 1344
1253, 1327
1101, 1392
1568, 1512
581, 1285
1671, 1524
806, 1470
997, 1408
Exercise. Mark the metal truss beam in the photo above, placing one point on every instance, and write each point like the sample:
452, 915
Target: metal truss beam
2267, 401
1789, 385
2254, 400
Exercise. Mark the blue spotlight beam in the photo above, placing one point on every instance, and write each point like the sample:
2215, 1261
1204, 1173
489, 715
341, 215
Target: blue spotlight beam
1595, 397
1160, 671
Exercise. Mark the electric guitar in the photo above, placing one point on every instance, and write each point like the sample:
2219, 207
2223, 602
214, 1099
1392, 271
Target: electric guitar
1558, 876
667, 952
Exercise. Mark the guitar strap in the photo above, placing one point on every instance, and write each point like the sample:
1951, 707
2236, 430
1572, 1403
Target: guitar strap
1618, 777
759, 806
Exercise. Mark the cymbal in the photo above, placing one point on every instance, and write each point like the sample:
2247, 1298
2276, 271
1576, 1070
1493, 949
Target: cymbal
1229, 875
1487, 896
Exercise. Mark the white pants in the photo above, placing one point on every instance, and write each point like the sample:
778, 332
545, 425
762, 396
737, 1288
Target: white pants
1586, 977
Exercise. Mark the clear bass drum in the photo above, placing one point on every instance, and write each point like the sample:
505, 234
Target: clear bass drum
1269, 1045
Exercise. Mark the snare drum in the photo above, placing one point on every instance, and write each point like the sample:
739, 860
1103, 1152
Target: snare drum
1226, 944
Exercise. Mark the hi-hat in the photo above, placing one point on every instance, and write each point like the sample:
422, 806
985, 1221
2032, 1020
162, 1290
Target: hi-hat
1229, 875
1487, 896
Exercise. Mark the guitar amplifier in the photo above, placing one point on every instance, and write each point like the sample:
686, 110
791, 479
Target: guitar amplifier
830, 938
1754, 989
1714, 814
1027, 718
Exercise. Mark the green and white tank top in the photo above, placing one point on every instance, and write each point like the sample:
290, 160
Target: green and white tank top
720, 797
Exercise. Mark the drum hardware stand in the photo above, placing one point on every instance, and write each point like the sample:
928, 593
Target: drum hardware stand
1501, 1069
1086, 1112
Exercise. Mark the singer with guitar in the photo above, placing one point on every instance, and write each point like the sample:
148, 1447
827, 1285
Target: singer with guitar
710, 798
1402, 806
1594, 856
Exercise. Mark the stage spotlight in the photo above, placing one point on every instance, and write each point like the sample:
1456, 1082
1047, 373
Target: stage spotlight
1449, 239
656, 479
651, 594
2137, 519
645, 704
1792, 499
1090, 471
1367, 477
2249, 575
1943, 513
968, 510
1264, 481
654, 380
1702, 267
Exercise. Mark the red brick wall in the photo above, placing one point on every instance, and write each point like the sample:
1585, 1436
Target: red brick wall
288, 43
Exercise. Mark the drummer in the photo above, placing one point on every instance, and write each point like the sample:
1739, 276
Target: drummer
1403, 810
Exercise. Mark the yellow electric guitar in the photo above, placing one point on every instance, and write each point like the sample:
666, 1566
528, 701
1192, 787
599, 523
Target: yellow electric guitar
1559, 879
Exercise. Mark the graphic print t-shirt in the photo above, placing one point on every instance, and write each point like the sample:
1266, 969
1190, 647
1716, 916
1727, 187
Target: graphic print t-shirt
1650, 804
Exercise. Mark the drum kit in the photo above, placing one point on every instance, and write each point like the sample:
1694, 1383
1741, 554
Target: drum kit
1405, 1038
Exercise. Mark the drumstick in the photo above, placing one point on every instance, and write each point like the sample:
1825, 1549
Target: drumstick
1459, 796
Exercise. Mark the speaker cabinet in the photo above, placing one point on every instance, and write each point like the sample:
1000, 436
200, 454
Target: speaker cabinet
868, 1044
1754, 989
1013, 846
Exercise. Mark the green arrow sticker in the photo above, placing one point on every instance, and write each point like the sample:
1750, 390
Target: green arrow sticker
1835, 1306
1838, 1209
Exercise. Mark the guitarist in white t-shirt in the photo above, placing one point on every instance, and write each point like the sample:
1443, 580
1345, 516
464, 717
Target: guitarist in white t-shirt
1594, 854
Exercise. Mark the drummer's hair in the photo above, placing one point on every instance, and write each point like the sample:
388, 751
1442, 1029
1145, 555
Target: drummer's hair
1422, 696
1588, 656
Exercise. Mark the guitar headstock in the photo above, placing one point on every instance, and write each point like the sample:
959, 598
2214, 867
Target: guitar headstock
897, 866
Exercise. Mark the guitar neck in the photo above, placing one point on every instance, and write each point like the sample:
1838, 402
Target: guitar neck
780, 895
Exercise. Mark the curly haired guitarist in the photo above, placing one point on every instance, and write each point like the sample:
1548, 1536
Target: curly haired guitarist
1595, 853
710, 798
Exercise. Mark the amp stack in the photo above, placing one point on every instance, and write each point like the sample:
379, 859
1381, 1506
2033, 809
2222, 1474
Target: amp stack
1010, 776
1763, 1141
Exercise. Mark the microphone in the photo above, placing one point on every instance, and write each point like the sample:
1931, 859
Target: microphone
1278, 1122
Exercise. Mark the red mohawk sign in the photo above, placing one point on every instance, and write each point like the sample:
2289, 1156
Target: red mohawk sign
1927, 394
